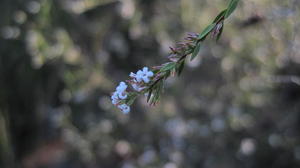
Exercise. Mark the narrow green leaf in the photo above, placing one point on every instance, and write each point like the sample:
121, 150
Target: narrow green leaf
196, 51
167, 74
131, 98
231, 7
168, 66
130, 101
220, 15
206, 31
180, 68
161, 86
154, 97
155, 71
156, 93
149, 95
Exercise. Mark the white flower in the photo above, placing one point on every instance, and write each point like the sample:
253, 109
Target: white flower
120, 93
146, 74
122, 87
142, 75
121, 90
125, 108
139, 76
137, 82
114, 98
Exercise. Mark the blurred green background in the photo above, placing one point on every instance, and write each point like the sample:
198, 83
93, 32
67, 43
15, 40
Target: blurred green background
237, 105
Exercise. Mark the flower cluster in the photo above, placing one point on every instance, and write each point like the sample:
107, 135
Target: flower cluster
119, 95
139, 81
140, 78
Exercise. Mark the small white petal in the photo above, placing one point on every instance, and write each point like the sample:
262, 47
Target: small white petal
146, 79
139, 73
114, 101
145, 69
139, 78
122, 95
114, 95
122, 87
133, 75
150, 74
122, 84
125, 108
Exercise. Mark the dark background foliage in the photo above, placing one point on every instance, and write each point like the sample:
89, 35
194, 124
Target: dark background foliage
235, 105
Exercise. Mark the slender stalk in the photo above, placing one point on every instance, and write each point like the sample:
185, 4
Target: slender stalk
151, 83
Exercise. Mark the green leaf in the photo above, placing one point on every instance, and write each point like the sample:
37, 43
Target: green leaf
130, 101
156, 93
167, 74
206, 31
180, 67
196, 51
149, 95
220, 15
168, 66
231, 7
131, 98
155, 71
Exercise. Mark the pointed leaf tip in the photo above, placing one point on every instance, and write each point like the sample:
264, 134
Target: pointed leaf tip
196, 51
231, 7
